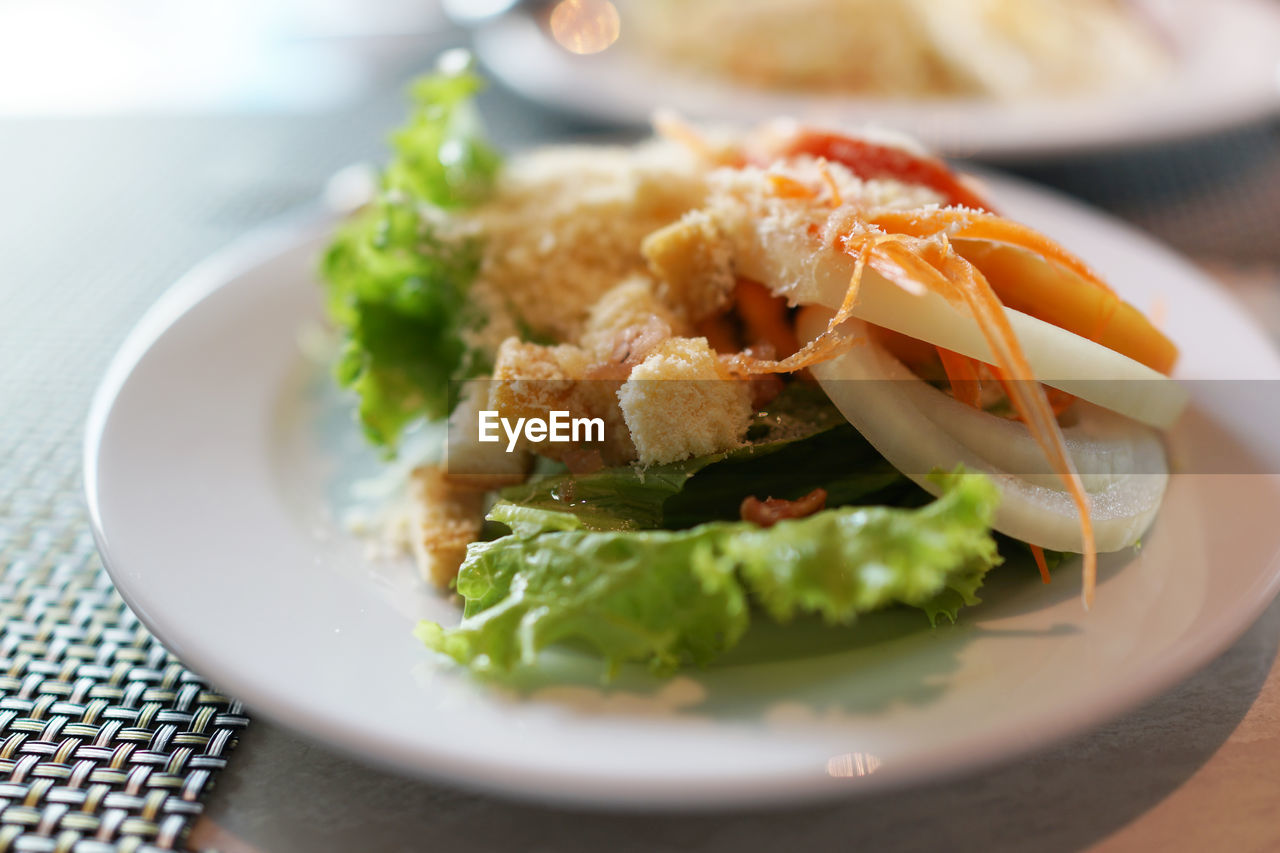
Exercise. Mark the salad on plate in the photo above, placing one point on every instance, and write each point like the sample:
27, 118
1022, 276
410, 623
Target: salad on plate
725, 376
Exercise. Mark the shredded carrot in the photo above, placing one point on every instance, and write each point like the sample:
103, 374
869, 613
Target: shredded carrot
1136, 338
670, 125
1059, 400
965, 377
1041, 564
787, 187
912, 263
1028, 398
913, 250
832, 342
938, 266
976, 225
720, 333
913, 352
962, 373
765, 317
830, 181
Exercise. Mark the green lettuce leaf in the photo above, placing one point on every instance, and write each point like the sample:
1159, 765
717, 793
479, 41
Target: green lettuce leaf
442, 156
398, 289
672, 598
840, 563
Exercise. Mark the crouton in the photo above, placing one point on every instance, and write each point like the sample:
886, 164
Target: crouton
692, 260
444, 519
633, 304
531, 381
565, 225
475, 463
681, 402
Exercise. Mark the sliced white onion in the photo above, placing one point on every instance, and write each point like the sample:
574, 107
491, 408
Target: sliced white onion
920, 429
1062, 359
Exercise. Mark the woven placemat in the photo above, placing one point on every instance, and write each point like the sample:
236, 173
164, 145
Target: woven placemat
106, 741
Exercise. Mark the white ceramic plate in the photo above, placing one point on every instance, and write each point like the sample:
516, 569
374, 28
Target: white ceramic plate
216, 456
1226, 72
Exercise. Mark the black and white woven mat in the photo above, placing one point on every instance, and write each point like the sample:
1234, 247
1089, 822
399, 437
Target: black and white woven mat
106, 741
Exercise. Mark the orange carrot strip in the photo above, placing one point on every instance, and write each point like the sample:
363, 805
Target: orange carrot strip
1059, 400
917, 254
1041, 564
765, 317
787, 187
829, 179
962, 373
830, 343
913, 352
901, 259
1028, 399
1087, 315
671, 125
720, 333
977, 225
952, 276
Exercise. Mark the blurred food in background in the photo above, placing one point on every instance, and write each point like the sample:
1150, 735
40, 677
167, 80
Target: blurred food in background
988, 48
995, 79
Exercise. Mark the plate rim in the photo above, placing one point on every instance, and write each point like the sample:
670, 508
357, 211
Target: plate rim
575, 788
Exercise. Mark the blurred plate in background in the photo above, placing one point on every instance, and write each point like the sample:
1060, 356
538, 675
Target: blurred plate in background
1225, 73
